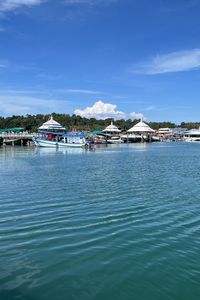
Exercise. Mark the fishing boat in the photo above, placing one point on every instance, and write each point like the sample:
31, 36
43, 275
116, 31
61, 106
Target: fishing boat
52, 134
59, 139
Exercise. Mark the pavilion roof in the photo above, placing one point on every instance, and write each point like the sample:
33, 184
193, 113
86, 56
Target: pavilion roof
141, 127
111, 128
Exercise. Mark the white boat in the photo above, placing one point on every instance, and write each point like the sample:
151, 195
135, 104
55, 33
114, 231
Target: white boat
55, 140
115, 140
164, 131
155, 138
131, 137
192, 135
52, 134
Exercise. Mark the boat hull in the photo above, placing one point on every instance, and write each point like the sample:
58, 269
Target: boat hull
192, 140
115, 141
54, 144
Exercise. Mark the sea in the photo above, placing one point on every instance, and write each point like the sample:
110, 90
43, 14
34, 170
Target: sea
117, 222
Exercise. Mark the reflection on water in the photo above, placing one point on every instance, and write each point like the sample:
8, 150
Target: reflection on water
11, 152
18, 151
56, 151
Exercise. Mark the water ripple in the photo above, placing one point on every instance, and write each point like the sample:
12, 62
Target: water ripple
102, 224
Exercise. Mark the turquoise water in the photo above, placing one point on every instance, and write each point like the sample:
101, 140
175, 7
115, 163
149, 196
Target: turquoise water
120, 222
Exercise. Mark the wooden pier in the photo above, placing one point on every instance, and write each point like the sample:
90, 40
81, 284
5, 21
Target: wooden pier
19, 138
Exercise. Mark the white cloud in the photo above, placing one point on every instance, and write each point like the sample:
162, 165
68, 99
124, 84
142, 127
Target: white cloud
136, 116
79, 91
88, 2
48, 76
22, 102
71, 2
9, 5
25, 102
101, 110
172, 62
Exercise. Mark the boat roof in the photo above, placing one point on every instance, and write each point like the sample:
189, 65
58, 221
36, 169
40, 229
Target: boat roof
96, 132
12, 129
193, 131
64, 134
74, 134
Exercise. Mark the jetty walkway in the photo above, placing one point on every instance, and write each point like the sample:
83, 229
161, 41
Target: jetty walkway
17, 138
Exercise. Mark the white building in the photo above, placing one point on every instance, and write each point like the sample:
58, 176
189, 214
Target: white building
141, 128
111, 129
138, 133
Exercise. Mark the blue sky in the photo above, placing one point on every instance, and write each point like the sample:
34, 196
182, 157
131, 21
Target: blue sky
103, 58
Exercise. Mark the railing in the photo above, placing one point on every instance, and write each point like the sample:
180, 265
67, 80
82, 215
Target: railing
18, 135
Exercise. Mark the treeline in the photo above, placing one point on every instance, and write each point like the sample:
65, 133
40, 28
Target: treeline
32, 122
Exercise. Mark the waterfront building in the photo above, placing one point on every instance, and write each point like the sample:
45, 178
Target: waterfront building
141, 128
111, 129
112, 134
140, 132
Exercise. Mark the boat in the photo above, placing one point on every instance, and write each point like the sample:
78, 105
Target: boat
155, 138
97, 137
99, 141
52, 134
192, 135
115, 140
166, 131
60, 139
131, 137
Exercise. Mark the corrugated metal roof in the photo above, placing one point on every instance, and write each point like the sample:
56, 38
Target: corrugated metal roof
12, 129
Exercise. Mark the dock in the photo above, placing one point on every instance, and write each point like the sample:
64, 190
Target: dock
17, 138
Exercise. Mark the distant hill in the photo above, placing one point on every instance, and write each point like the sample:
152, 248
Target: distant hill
32, 122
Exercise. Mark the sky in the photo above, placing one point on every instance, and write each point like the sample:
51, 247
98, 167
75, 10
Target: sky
101, 58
